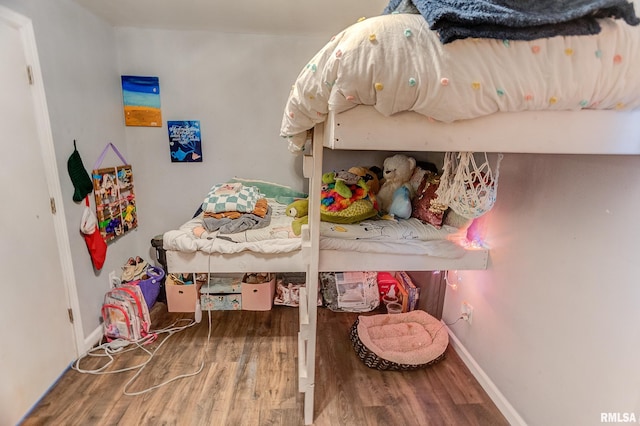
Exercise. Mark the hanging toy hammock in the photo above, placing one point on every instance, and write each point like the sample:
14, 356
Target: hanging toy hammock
466, 187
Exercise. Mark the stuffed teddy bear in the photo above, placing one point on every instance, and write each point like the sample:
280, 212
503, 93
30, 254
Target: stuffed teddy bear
299, 210
397, 171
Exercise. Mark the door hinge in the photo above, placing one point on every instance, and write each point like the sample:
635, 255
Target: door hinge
30, 74
52, 202
70, 315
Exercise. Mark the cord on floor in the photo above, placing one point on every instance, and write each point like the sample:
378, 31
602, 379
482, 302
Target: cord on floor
119, 346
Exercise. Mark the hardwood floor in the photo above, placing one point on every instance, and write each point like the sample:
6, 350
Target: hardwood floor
249, 377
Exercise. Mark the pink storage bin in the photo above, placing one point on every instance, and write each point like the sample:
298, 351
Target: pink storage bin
258, 297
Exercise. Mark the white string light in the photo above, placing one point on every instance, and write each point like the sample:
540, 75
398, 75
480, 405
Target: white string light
455, 284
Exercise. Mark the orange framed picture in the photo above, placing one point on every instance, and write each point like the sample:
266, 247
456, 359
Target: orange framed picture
141, 98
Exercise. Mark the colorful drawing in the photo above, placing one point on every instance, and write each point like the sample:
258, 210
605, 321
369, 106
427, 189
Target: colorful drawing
141, 96
185, 144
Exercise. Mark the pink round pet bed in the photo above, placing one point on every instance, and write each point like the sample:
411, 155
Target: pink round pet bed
406, 341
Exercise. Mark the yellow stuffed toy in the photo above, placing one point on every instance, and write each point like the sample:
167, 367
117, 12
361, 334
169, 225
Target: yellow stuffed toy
370, 177
299, 210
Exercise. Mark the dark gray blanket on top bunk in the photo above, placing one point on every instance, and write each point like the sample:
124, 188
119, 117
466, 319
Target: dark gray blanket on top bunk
514, 19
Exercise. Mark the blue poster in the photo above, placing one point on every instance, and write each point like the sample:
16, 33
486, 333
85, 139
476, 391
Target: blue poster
185, 144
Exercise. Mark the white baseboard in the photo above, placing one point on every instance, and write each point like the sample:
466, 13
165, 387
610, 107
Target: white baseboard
93, 338
489, 387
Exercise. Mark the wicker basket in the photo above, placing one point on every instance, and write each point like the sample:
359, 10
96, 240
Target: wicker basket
372, 360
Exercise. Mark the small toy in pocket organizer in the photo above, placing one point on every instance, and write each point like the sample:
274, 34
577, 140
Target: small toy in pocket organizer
115, 198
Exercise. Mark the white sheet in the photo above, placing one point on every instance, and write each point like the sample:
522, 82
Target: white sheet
395, 63
372, 236
386, 230
437, 248
275, 238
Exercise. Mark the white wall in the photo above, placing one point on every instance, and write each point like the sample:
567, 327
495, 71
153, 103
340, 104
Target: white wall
77, 54
233, 84
555, 318
236, 85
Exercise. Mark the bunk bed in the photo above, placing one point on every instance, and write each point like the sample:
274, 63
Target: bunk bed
369, 88
388, 83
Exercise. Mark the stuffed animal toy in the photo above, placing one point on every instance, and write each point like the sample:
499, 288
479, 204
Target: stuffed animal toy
401, 204
299, 210
422, 168
342, 182
397, 171
370, 177
345, 198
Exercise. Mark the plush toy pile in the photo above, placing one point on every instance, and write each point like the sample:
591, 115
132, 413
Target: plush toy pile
403, 189
345, 198
409, 190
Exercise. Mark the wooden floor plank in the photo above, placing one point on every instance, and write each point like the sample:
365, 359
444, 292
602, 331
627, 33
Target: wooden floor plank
249, 376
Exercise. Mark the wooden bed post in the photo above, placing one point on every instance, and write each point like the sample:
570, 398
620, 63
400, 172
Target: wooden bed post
312, 168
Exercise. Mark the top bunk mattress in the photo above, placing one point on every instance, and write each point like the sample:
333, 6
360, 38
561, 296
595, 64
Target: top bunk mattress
396, 63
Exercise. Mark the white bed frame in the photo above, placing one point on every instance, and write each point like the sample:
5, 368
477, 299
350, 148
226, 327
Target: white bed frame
540, 132
363, 128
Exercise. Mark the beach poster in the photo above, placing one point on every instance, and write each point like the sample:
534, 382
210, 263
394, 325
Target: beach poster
185, 143
141, 96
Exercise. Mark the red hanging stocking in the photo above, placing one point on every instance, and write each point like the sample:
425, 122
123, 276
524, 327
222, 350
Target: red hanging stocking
95, 243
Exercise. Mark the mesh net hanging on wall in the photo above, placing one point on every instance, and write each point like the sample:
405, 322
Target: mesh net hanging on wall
469, 188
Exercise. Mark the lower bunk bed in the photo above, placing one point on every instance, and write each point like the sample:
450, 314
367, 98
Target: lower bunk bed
212, 242
370, 245
374, 244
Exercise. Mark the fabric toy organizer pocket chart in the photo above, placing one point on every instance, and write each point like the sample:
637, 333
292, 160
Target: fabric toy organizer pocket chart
114, 197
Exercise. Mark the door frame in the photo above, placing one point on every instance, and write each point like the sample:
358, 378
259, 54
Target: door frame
45, 138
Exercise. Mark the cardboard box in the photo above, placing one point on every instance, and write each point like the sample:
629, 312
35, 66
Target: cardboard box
403, 298
432, 287
221, 302
181, 298
409, 290
258, 297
